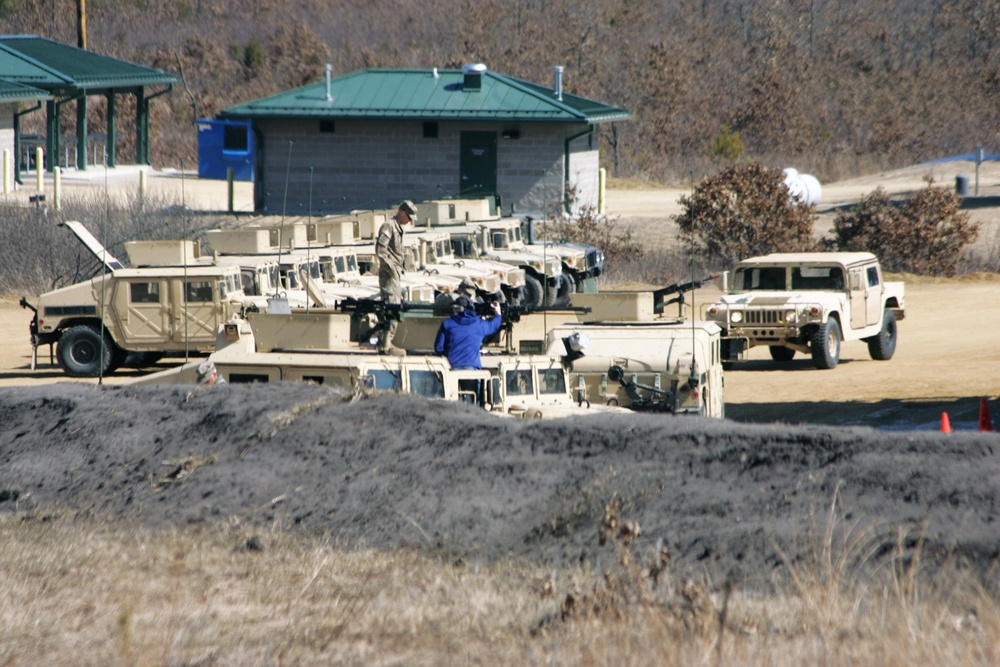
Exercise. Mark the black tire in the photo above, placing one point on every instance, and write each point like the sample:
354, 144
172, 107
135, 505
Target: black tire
781, 353
82, 353
882, 346
575, 283
825, 345
565, 290
513, 295
142, 359
533, 292
118, 359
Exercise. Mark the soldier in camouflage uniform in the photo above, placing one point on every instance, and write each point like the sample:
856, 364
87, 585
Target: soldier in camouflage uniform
389, 250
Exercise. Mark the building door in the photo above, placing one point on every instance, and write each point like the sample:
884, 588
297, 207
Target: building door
478, 164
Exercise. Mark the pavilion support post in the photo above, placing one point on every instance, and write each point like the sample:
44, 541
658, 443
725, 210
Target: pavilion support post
141, 127
81, 132
112, 131
52, 131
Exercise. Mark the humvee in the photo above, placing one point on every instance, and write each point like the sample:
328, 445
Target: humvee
431, 251
316, 346
155, 310
473, 238
581, 263
638, 358
808, 303
300, 259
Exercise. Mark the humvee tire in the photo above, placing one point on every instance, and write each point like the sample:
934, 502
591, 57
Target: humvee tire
882, 346
118, 358
142, 359
80, 352
533, 292
567, 286
781, 353
825, 345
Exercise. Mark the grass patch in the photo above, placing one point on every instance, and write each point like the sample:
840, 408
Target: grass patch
91, 592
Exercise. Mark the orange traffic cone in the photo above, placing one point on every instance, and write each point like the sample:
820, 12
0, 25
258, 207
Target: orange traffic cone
945, 423
985, 423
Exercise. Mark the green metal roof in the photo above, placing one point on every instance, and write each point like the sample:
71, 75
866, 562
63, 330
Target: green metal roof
427, 95
58, 68
15, 92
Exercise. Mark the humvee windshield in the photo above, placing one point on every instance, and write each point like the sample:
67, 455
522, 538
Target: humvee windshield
761, 278
427, 383
378, 378
249, 285
552, 381
519, 383
463, 245
817, 278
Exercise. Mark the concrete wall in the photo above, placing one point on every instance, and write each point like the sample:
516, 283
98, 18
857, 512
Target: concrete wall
371, 164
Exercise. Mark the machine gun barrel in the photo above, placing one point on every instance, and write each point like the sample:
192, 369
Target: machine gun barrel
679, 289
513, 313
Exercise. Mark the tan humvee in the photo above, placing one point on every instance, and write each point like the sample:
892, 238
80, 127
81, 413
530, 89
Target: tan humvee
316, 347
155, 310
808, 303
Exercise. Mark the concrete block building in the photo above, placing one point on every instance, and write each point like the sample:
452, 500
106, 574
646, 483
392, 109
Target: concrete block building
375, 137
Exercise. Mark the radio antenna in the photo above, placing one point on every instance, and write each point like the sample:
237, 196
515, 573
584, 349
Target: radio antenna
309, 221
184, 237
104, 273
284, 207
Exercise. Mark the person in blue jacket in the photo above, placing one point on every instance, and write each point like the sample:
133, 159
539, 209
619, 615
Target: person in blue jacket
461, 336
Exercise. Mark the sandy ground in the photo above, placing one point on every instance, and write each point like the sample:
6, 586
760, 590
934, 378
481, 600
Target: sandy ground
728, 496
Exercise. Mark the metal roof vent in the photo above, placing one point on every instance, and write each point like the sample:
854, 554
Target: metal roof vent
558, 82
472, 77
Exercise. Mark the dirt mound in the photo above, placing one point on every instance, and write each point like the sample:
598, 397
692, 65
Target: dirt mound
399, 471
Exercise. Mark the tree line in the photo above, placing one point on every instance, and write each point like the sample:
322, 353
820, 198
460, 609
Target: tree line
835, 89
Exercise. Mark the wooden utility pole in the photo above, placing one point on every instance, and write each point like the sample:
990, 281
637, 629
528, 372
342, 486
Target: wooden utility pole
81, 23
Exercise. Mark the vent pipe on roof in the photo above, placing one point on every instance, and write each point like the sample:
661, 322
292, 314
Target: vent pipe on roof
472, 77
329, 94
558, 82
81, 24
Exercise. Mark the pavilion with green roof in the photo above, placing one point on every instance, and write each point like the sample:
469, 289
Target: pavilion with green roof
374, 137
56, 74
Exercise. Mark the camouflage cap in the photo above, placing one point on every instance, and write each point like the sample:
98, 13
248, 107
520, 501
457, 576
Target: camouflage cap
408, 208
205, 370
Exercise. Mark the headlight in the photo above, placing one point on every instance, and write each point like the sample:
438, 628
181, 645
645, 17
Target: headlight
736, 317
790, 316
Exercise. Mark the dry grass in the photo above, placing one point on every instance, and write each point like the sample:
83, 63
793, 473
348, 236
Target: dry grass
89, 593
